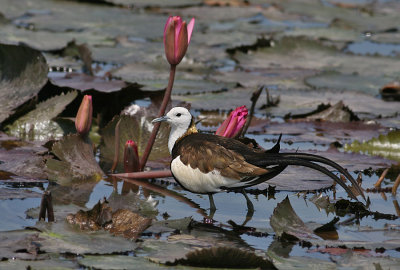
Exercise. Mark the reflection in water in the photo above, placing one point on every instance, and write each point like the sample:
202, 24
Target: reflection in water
175, 203
77, 193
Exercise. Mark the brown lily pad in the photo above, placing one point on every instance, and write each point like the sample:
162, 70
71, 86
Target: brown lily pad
120, 222
128, 224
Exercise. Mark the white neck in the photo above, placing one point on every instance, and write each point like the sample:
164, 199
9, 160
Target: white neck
174, 135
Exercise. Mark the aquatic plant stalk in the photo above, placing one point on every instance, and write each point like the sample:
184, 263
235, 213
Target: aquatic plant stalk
156, 127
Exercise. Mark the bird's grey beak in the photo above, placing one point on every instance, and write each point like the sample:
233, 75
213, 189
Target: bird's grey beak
160, 119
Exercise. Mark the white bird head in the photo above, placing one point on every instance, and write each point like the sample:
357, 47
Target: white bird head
178, 117
181, 122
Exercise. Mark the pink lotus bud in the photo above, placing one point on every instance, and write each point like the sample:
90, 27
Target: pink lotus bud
83, 120
177, 38
233, 125
131, 157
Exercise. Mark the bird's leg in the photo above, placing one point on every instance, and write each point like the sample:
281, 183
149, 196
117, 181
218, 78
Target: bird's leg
212, 205
250, 208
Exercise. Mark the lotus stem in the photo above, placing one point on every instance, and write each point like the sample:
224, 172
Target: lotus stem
156, 127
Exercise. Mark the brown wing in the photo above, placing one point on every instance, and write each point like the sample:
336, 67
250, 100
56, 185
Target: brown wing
207, 156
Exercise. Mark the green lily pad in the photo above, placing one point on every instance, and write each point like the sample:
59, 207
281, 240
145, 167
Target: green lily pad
38, 124
23, 72
387, 146
75, 161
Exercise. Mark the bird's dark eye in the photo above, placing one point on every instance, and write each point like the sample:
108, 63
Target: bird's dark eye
178, 114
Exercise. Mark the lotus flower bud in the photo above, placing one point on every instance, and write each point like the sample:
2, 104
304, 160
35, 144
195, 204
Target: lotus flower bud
131, 157
83, 120
233, 125
177, 38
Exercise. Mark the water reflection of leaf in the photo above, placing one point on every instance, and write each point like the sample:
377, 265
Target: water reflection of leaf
387, 146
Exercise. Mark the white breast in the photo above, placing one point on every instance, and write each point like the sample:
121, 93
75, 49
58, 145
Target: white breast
198, 182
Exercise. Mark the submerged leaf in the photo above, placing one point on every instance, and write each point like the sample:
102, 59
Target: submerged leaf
75, 161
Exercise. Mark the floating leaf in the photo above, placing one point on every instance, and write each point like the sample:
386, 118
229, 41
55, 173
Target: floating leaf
75, 161
292, 52
19, 244
38, 124
23, 72
332, 113
170, 225
352, 82
21, 158
224, 257
86, 82
61, 237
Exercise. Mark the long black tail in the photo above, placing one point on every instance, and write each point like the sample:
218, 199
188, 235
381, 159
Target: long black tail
284, 160
323, 160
